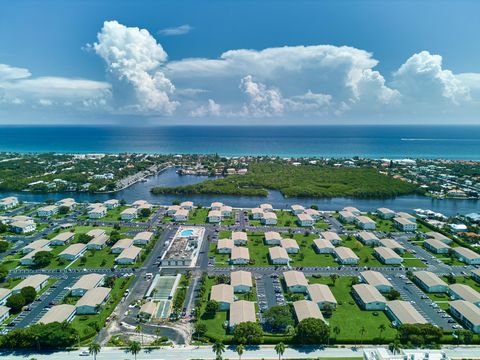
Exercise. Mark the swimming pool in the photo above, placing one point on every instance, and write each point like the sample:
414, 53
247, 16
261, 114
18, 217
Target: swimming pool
186, 233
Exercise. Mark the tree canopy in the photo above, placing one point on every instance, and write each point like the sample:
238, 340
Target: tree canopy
312, 331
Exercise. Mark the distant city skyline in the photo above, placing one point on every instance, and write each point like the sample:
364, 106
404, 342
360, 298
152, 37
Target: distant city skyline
239, 62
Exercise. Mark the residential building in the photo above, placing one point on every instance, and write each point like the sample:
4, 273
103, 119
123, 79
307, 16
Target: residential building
62, 239
171, 210
241, 311
407, 216
430, 282
214, 216
377, 280
216, 205
181, 215
129, 214
96, 232
368, 297
225, 246
240, 255
111, 204
314, 214
352, 210
387, 256
85, 283
402, 312
128, 256
466, 255
436, 246
345, 256
331, 236
239, 238
404, 224
272, 238
269, 218
305, 220
392, 244
8, 203
187, 205
38, 282
223, 295
305, 309
69, 203
97, 212
438, 236
121, 245
464, 292
35, 245
142, 238
47, 211
140, 203
476, 275
22, 227
4, 313
266, 207
92, 301
29, 259
295, 281
226, 211
278, 255
4, 294
73, 252
98, 242
323, 246
368, 238
297, 209
257, 213
58, 313
241, 281
467, 313
321, 295
365, 223
346, 217
290, 245
385, 213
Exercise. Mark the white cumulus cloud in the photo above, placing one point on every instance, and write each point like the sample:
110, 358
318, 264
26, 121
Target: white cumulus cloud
133, 58
262, 101
176, 31
210, 109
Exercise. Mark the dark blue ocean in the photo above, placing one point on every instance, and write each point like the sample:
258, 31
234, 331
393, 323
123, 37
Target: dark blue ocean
374, 141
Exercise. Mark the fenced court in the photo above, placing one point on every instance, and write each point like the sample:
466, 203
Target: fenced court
162, 291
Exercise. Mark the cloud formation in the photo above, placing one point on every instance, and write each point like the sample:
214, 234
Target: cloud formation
175, 31
133, 59
315, 83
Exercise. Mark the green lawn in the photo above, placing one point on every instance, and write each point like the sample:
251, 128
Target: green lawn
198, 216
382, 224
350, 318
96, 259
411, 261
89, 325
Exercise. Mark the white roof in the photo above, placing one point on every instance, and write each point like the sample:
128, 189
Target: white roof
330, 236
289, 243
242, 311
144, 235
57, 313
94, 297
428, 278
345, 253
466, 253
436, 244
74, 249
375, 278
240, 252
32, 280
320, 293
468, 310
222, 293
386, 253
88, 281
239, 235
465, 292
238, 278
368, 293
64, 236
278, 252
272, 235
322, 243
129, 253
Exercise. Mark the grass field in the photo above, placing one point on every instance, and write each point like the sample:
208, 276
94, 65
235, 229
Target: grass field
351, 319
382, 224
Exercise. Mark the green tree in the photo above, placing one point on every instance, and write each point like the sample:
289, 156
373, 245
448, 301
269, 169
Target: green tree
336, 330
362, 333
211, 309
29, 294
144, 212
94, 349
62, 210
248, 333
239, 349
3, 272
218, 348
15, 302
312, 331
4, 245
333, 278
278, 317
382, 328
199, 330
134, 348
327, 310
84, 238
138, 330
42, 258
280, 349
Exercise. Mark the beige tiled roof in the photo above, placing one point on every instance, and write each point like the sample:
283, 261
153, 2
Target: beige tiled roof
240, 252
74, 249
289, 243
225, 243
149, 308
345, 253
468, 310
391, 244
277, 252
436, 244
330, 236
32, 280
242, 311
94, 297
64, 236
323, 243
294, 277
321, 293
123, 244
368, 293
58, 313
144, 235
37, 244
428, 278
405, 312
375, 278
96, 232
129, 253
239, 235
272, 235
88, 281
307, 309
466, 253
222, 293
465, 292
238, 278
386, 253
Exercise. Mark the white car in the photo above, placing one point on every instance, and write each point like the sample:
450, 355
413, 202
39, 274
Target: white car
85, 353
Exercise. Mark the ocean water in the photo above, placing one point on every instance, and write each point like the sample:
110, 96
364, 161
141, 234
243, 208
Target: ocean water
374, 141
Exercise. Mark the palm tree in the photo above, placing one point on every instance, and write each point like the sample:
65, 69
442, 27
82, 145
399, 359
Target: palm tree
395, 346
280, 349
239, 350
94, 349
289, 330
138, 330
382, 328
362, 332
134, 348
333, 278
218, 348
336, 331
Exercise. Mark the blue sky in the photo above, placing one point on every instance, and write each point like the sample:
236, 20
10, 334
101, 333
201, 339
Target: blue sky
222, 62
